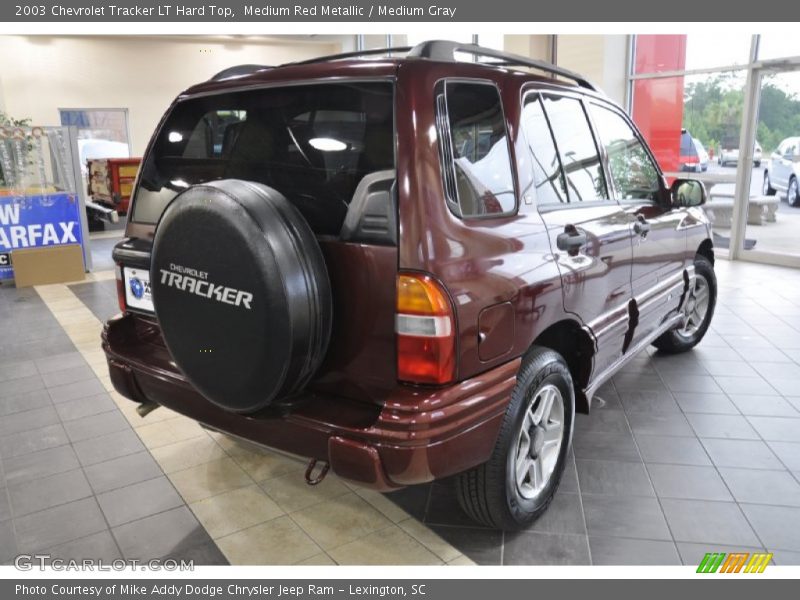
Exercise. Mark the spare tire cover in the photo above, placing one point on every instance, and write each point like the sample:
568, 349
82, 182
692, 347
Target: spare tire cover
241, 292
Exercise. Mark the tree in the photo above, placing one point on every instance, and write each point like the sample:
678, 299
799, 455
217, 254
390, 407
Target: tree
713, 111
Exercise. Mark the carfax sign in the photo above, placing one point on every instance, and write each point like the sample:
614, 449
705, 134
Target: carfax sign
35, 222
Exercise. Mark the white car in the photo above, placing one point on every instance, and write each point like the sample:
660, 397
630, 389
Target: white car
729, 154
783, 171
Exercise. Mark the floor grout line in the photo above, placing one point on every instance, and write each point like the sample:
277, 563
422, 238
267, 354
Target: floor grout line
63, 291
71, 311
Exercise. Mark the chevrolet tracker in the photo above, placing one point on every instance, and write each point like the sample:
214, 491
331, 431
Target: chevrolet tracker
404, 269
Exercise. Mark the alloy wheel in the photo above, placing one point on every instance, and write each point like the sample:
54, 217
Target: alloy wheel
539, 442
695, 308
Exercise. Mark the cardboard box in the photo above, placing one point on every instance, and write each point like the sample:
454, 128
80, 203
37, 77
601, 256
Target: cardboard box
52, 264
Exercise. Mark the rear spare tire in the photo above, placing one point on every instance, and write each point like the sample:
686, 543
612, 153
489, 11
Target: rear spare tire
241, 292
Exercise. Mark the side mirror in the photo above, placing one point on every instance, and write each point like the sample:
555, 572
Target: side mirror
687, 192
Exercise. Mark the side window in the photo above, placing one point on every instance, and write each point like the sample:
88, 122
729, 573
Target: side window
634, 175
576, 148
545, 174
475, 155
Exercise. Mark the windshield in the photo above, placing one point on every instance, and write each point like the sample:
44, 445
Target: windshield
312, 143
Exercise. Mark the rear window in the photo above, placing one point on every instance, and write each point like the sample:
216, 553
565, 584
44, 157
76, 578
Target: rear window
312, 143
687, 145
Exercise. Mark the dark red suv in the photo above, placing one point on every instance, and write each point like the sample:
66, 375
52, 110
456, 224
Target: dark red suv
406, 268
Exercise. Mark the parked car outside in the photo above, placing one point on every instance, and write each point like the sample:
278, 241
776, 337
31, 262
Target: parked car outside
702, 155
783, 171
693, 155
729, 153
407, 269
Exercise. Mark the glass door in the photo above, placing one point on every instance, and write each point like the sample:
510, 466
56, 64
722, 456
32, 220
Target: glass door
773, 212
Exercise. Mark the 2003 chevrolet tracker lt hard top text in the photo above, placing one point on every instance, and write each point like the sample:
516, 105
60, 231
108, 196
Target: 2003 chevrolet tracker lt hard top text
405, 268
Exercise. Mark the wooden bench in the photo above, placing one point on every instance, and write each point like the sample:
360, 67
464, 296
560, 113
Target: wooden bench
760, 209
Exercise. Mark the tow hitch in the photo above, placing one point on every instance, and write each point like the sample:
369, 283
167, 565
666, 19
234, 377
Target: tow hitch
145, 408
320, 476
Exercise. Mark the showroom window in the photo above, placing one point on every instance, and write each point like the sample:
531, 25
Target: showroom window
475, 156
713, 96
102, 132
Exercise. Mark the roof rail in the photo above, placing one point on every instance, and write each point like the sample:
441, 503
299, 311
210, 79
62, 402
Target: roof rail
344, 55
239, 70
445, 51
440, 50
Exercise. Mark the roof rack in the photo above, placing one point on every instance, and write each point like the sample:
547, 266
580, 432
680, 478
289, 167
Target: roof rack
371, 52
239, 70
442, 50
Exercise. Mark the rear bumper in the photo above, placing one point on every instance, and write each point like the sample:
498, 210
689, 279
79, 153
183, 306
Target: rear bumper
415, 435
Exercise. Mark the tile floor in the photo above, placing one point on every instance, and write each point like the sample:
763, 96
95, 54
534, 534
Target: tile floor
82, 475
689, 453
686, 455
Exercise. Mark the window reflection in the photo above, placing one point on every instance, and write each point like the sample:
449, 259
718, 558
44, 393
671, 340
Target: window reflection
576, 148
545, 165
481, 160
633, 173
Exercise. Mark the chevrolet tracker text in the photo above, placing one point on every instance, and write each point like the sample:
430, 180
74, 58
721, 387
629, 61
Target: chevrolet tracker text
199, 286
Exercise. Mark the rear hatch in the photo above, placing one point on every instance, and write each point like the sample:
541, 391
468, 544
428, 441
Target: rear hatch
688, 153
329, 149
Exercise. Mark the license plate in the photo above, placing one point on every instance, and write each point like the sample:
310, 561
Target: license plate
137, 289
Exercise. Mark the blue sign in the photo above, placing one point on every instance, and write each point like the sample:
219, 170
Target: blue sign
37, 222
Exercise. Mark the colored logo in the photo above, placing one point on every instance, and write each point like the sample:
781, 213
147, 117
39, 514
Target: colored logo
735, 562
137, 288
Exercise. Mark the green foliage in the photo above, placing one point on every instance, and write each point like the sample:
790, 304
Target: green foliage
9, 121
713, 112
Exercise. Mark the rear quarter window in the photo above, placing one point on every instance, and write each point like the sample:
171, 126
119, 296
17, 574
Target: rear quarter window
475, 156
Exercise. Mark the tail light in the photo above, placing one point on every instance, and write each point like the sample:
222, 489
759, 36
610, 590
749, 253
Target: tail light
120, 287
425, 331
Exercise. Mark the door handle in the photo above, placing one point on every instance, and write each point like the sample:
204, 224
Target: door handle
641, 226
571, 239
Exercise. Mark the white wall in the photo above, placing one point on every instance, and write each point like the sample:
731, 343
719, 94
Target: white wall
41, 74
532, 46
600, 58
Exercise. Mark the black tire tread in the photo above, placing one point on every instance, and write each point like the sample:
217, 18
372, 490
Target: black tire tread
771, 191
476, 489
794, 202
670, 342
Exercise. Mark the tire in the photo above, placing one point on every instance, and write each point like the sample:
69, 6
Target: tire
490, 493
767, 188
691, 332
793, 192
241, 293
